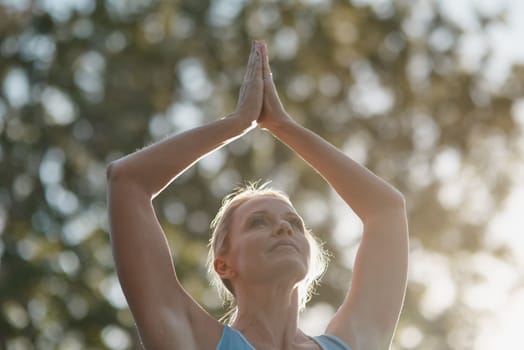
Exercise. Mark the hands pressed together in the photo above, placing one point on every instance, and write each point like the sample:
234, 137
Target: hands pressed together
258, 101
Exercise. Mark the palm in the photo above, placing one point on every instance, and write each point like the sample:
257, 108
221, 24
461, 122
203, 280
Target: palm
273, 111
250, 97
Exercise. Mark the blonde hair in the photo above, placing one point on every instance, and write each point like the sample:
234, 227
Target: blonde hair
218, 245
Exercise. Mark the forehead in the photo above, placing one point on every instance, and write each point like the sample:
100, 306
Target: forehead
262, 203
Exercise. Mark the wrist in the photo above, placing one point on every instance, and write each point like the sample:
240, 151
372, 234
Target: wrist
281, 125
240, 123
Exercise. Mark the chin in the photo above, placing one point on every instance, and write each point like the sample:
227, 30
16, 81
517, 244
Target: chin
291, 265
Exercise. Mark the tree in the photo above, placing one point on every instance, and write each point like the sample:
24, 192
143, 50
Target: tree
88, 81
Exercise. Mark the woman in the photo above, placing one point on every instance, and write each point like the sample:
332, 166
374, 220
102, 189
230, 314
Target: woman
260, 248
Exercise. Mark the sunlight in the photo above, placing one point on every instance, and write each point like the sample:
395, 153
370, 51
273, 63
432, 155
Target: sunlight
506, 228
502, 329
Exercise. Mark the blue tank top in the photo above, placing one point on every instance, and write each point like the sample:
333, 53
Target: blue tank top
234, 340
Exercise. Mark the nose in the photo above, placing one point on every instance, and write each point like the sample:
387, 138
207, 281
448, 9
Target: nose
284, 227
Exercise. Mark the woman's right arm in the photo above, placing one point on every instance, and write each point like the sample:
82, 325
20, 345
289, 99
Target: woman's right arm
166, 316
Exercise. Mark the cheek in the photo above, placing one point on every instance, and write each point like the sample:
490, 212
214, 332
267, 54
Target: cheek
247, 250
307, 249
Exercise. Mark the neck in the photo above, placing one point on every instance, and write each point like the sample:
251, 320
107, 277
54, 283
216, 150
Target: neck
269, 316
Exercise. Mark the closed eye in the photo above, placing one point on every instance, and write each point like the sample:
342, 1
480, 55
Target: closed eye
258, 221
297, 223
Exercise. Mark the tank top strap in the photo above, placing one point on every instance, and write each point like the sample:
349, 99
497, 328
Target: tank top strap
331, 342
233, 339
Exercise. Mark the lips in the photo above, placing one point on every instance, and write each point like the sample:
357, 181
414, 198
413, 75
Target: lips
284, 244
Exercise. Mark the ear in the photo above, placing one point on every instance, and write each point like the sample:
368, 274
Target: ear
222, 268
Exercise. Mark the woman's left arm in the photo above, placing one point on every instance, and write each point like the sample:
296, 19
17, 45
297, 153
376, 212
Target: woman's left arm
369, 314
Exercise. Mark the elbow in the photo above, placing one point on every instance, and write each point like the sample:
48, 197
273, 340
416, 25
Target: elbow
394, 199
112, 171
400, 199
392, 204
122, 177
117, 171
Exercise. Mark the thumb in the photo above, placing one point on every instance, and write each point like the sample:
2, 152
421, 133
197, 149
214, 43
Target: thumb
266, 69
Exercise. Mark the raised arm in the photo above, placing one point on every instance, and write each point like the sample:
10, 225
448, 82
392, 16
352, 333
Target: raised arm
368, 316
166, 316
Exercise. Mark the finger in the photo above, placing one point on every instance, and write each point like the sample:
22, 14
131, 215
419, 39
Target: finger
267, 75
255, 62
259, 56
256, 68
251, 64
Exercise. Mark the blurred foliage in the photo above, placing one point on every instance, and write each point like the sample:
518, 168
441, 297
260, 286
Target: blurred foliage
84, 82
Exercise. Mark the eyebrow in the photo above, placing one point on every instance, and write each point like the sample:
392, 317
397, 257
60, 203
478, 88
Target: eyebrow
263, 211
256, 213
292, 214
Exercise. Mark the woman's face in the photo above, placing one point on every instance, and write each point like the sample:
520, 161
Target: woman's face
267, 243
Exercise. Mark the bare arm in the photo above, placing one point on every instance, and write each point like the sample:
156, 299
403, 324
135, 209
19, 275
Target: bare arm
369, 314
166, 316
